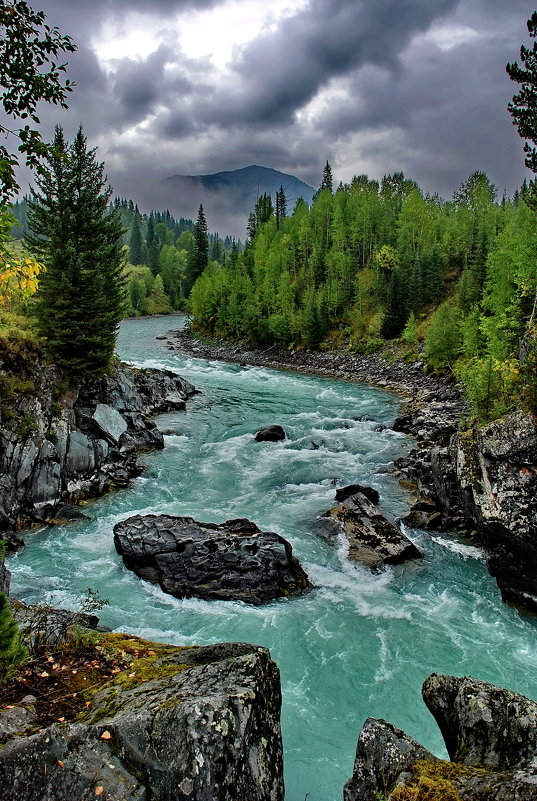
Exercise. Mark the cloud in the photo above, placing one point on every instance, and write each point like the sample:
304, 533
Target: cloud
373, 85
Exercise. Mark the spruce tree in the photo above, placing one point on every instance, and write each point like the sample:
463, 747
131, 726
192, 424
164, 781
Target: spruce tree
327, 181
523, 107
135, 243
81, 297
281, 207
200, 252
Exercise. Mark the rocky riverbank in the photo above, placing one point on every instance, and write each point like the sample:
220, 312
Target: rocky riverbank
490, 735
62, 443
481, 482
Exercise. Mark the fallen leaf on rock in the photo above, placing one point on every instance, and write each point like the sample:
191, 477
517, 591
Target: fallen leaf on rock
99, 790
106, 735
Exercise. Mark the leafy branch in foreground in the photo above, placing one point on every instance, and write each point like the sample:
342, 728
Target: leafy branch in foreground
29, 73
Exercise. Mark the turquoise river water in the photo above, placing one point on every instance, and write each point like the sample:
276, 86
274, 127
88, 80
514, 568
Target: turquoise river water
358, 645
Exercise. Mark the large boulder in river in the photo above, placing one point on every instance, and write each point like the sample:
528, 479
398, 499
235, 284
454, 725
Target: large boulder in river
231, 561
273, 433
373, 539
490, 733
175, 724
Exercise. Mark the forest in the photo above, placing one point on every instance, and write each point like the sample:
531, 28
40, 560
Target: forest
451, 282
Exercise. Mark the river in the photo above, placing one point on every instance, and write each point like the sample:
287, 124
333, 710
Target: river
358, 645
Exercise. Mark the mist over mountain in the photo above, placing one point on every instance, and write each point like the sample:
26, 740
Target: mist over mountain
227, 197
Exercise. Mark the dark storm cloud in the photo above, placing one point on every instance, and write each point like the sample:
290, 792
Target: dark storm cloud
445, 109
403, 101
284, 70
140, 84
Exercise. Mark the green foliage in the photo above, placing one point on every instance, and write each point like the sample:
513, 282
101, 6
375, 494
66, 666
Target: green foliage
443, 340
410, 332
29, 73
81, 297
12, 652
373, 259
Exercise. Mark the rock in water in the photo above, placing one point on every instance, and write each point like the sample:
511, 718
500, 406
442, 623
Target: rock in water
231, 561
342, 493
270, 434
200, 723
490, 733
372, 539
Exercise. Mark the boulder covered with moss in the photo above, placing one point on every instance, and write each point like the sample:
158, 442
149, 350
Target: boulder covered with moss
490, 736
168, 724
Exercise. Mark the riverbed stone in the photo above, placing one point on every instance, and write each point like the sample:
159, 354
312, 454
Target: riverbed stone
373, 539
273, 433
342, 493
231, 561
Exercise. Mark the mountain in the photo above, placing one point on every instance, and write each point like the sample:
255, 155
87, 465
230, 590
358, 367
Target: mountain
227, 197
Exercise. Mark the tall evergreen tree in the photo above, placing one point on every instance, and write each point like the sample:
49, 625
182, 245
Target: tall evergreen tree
281, 207
523, 107
200, 252
81, 297
135, 242
327, 181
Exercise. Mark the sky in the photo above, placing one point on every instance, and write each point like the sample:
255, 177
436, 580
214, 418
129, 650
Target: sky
374, 86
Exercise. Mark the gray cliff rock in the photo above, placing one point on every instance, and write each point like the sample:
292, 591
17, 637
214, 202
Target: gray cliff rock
60, 445
5, 578
489, 733
482, 483
231, 561
496, 472
373, 539
384, 758
207, 729
482, 725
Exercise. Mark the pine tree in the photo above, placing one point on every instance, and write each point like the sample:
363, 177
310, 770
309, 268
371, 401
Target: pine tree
12, 652
281, 207
523, 107
327, 181
200, 252
77, 235
135, 242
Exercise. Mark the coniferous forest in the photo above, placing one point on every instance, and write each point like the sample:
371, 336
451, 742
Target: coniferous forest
453, 281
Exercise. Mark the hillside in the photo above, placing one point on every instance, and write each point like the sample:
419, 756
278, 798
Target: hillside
228, 197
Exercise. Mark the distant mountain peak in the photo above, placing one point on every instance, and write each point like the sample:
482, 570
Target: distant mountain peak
228, 196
